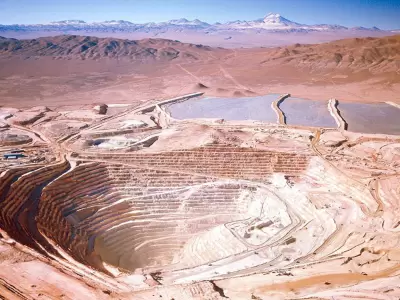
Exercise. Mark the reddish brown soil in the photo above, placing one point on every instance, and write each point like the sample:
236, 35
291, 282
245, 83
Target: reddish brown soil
61, 71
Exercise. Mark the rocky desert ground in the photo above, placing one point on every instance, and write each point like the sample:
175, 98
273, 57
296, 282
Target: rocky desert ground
144, 170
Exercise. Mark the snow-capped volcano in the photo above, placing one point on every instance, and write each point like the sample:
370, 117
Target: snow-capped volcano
271, 21
179, 21
276, 20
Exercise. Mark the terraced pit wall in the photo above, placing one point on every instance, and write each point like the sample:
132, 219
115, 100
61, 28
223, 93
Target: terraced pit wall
20, 203
216, 160
136, 210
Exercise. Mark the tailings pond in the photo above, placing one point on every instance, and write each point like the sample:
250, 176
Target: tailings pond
371, 118
231, 109
364, 118
307, 113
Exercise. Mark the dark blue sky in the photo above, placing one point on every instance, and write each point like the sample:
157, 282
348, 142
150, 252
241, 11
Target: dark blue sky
382, 13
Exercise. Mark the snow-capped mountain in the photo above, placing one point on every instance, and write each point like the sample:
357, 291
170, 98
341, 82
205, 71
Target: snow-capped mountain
365, 28
275, 22
186, 22
115, 23
68, 22
271, 22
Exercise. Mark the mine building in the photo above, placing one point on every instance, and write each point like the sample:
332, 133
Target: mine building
13, 155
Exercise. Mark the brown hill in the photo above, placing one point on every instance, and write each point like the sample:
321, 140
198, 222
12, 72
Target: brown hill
354, 54
374, 54
86, 47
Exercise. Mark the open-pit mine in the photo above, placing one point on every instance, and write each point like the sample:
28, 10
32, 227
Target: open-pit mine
268, 196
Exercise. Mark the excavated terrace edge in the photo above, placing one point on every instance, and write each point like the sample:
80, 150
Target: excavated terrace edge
333, 110
281, 118
169, 101
397, 105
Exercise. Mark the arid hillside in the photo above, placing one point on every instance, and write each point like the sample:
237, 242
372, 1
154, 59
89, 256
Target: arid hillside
374, 54
85, 47
76, 70
355, 54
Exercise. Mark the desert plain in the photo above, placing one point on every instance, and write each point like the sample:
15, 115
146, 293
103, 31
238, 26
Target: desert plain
155, 169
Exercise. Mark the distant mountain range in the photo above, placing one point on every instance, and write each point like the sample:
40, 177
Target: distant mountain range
271, 31
272, 22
